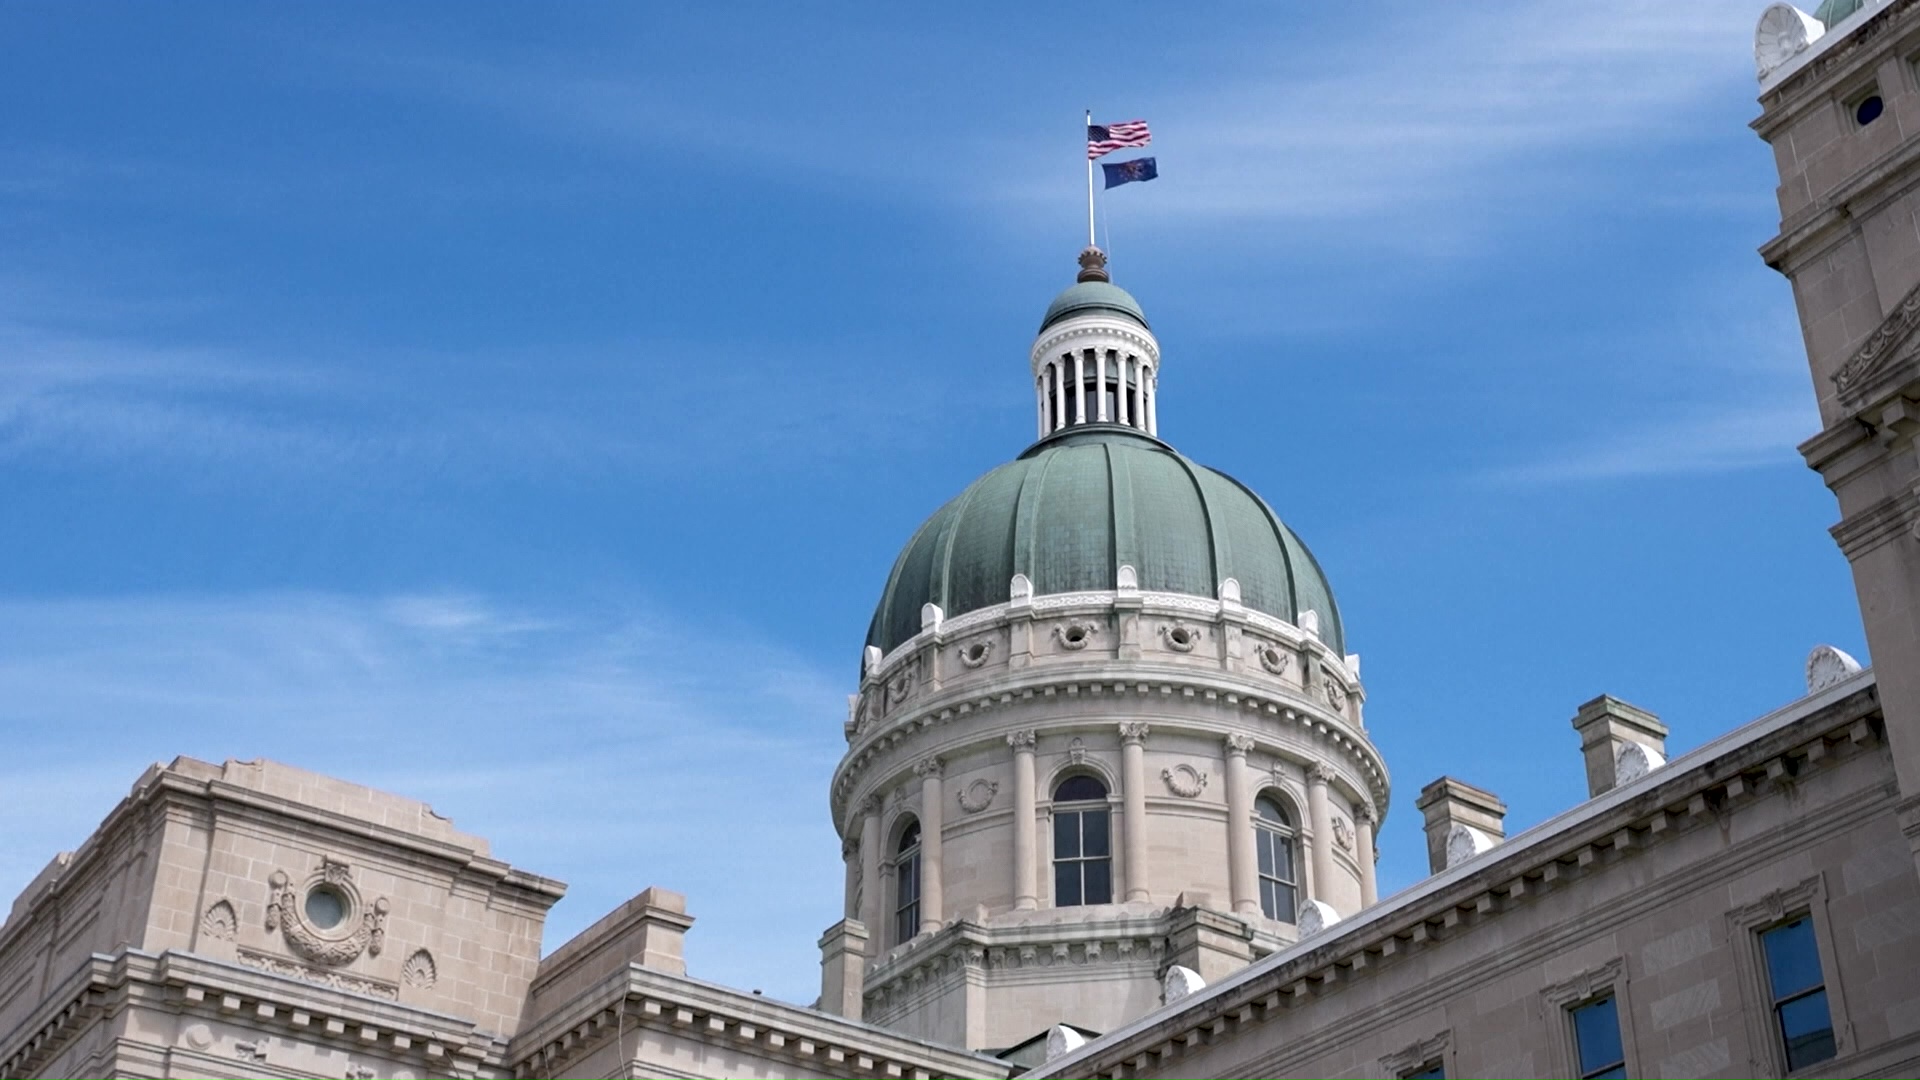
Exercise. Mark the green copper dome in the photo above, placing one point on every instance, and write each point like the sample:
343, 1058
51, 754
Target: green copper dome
1076, 507
1090, 296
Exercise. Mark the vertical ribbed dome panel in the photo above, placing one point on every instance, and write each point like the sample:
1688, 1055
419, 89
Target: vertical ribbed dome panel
1077, 506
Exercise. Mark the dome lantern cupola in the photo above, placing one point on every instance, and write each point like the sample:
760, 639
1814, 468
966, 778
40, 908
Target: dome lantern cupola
1095, 360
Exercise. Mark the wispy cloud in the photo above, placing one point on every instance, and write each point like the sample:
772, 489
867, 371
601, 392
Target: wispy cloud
79, 391
1395, 112
610, 749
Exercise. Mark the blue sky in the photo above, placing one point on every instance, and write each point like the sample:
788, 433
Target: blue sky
519, 408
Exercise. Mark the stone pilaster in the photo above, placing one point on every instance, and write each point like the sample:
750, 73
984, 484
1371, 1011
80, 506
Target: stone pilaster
1133, 796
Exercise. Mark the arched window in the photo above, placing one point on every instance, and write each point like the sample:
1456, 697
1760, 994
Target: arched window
906, 885
1082, 843
1273, 839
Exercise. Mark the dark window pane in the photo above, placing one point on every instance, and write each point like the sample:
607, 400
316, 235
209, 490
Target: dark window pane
1263, 843
1793, 960
1596, 1029
1807, 1027
1270, 811
1095, 832
1066, 836
1099, 881
1284, 904
909, 837
1079, 789
1283, 861
1433, 1071
1066, 884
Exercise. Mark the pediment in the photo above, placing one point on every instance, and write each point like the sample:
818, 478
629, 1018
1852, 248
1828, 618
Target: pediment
1893, 345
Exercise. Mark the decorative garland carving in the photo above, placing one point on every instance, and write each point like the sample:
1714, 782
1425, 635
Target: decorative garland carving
1075, 635
976, 654
338, 980
1184, 781
1273, 659
1885, 341
1343, 833
333, 946
900, 687
1180, 637
978, 795
1336, 694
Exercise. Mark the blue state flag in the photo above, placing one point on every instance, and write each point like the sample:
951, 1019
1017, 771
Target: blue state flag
1126, 172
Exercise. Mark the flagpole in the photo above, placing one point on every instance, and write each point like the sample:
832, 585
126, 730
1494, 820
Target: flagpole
1090, 236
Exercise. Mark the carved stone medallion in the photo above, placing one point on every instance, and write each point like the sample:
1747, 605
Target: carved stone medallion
1184, 780
1273, 659
978, 795
325, 920
977, 653
1180, 637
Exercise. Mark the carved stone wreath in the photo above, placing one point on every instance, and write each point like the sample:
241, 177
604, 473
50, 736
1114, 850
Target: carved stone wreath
363, 929
1342, 833
978, 795
976, 654
1184, 781
901, 687
1180, 637
1336, 694
1075, 635
1272, 659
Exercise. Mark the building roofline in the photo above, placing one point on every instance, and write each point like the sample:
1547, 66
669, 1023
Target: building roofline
1523, 848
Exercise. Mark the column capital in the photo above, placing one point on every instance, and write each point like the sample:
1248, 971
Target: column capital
871, 805
1134, 731
930, 768
1318, 773
1364, 815
1239, 745
1021, 741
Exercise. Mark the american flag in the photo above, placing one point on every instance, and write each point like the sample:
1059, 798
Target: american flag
1106, 138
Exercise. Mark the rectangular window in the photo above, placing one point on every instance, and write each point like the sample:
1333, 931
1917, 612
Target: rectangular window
1596, 1039
1801, 1017
1432, 1070
906, 913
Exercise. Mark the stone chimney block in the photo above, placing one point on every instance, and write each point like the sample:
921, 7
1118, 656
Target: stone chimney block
663, 930
1608, 729
1460, 817
843, 968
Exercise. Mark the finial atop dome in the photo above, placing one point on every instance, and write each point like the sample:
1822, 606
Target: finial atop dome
1093, 265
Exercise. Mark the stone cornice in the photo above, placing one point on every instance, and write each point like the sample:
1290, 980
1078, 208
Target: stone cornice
1824, 221
176, 982
1228, 694
1094, 326
1123, 934
1699, 786
816, 1043
162, 791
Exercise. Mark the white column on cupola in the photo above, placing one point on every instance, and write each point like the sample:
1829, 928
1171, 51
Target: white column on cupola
1079, 387
1040, 403
1151, 380
1100, 383
1120, 398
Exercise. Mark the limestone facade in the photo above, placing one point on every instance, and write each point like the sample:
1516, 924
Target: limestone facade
1653, 893
1842, 118
1187, 710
